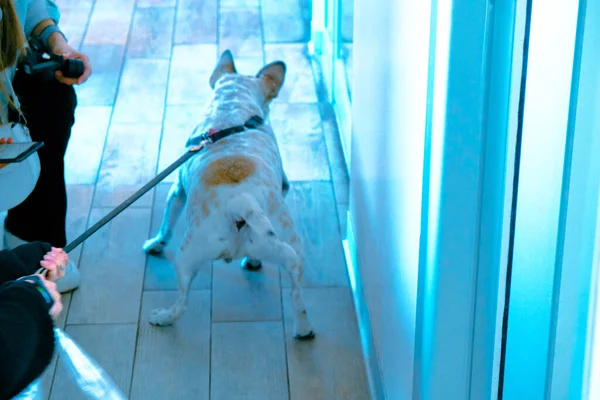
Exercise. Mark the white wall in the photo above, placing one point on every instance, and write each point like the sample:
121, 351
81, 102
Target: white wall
389, 109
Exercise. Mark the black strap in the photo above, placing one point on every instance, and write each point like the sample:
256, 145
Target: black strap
214, 136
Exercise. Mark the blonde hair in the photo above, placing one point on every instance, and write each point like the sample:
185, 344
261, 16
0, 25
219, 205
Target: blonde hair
12, 47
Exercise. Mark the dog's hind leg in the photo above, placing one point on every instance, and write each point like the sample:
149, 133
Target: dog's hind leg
271, 249
263, 244
191, 256
255, 265
175, 204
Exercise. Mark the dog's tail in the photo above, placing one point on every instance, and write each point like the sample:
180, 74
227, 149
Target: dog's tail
245, 207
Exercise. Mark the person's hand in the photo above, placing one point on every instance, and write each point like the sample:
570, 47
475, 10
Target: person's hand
55, 262
5, 141
57, 307
50, 286
62, 48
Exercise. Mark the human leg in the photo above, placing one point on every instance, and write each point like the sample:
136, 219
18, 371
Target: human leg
49, 108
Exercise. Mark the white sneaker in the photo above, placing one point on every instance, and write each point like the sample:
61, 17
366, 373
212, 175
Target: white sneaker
70, 281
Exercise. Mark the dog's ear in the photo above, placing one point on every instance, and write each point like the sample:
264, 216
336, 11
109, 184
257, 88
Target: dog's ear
225, 65
271, 77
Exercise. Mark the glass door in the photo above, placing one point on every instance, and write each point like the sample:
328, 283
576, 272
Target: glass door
550, 326
342, 98
331, 44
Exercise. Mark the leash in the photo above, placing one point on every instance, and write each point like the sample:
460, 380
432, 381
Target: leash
197, 143
133, 198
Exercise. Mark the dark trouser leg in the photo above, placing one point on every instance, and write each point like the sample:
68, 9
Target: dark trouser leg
49, 108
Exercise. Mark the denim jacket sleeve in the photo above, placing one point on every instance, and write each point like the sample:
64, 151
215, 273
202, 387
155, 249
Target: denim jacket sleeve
37, 11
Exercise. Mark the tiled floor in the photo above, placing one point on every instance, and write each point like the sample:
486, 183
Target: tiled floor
152, 60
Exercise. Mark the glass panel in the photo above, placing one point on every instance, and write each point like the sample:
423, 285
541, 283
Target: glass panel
537, 251
330, 17
342, 70
346, 39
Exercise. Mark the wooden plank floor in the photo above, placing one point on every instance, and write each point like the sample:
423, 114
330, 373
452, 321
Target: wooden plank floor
152, 60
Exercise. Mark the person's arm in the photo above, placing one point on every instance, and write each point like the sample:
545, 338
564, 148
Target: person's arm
21, 261
44, 13
40, 14
26, 337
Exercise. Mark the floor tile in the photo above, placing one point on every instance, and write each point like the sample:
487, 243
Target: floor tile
299, 85
315, 215
241, 295
111, 346
248, 361
337, 161
249, 65
101, 87
300, 136
179, 123
156, 3
173, 362
239, 4
110, 22
196, 22
129, 162
112, 268
79, 204
74, 16
331, 366
152, 33
142, 92
85, 146
191, 67
240, 32
160, 274
285, 21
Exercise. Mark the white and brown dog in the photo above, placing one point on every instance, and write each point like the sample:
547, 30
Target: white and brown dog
233, 192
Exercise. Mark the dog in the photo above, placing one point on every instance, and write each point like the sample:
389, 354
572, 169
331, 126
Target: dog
233, 192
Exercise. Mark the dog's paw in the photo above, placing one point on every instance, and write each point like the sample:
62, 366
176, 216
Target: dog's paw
305, 336
154, 246
161, 317
251, 265
304, 331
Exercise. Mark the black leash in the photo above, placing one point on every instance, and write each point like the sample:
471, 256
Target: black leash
198, 143
133, 198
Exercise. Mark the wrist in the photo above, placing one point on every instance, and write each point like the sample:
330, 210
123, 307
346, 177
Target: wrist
56, 41
50, 37
37, 283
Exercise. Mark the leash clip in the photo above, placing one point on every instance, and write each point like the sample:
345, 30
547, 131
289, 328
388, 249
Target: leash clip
198, 147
